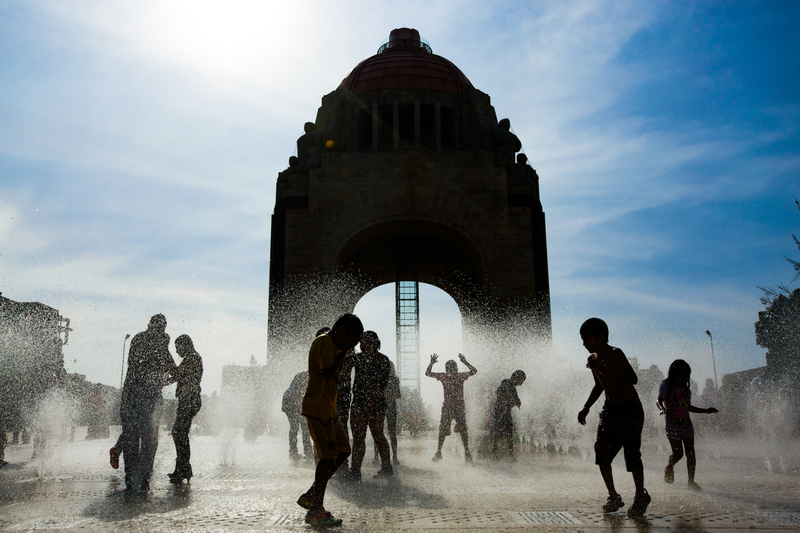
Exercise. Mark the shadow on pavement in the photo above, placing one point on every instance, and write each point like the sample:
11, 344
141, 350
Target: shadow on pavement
388, 492
124, 505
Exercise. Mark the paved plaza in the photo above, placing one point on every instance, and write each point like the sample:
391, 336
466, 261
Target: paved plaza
252, 486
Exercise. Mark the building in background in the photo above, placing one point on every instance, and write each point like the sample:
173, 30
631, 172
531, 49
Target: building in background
407, 176
31, 358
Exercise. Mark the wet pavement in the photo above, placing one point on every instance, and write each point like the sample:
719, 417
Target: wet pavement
252, 486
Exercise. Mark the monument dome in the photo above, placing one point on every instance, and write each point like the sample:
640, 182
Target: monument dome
405, 61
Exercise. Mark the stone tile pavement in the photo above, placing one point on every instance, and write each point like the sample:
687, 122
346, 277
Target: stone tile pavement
252, 486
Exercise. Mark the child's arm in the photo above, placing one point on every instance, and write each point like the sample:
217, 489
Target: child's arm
710, 410
337, 363
597, 390
662, 409
428, 371
472, 369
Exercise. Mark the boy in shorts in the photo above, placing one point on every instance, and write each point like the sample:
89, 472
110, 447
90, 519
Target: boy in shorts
325, 358
453, 404
622, 417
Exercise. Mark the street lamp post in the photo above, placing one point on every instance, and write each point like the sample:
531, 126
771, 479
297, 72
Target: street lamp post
713, 361
122, 370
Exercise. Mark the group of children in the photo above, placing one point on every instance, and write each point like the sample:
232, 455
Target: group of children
620, 426
622, 416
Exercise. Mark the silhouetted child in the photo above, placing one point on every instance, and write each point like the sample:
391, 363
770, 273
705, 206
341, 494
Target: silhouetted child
188, 376
622, 417
292, 406
325, 358
391, 394
453, 404
502, 422
675, 402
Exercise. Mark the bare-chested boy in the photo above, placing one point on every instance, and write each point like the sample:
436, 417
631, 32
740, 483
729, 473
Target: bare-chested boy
622, 416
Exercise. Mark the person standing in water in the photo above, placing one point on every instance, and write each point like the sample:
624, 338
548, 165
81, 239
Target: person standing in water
292, 405
373, 370
390, 395
675, 402
622, 417
502, 421
149, 366
453, 404
325, 358
188, 375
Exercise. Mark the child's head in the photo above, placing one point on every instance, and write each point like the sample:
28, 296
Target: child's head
346, 332
518, 378
596, 328
679, 372
184, 345
451, 367
370, 342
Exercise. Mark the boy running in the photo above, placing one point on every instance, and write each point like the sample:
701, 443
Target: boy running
622, 417
453, 404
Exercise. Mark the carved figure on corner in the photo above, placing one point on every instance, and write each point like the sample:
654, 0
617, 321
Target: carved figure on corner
506, 144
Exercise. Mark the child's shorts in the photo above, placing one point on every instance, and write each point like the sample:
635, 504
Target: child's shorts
620, 428
450, 413
329, 438
676, 432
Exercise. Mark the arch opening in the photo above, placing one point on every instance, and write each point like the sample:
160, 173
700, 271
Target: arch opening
441, 328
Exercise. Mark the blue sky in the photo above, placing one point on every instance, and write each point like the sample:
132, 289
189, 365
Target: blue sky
140, 143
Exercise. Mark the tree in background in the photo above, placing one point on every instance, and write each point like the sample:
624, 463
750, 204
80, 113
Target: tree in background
794, 263
778, 326
778, 330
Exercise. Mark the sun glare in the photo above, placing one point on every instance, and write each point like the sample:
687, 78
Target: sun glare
234, 39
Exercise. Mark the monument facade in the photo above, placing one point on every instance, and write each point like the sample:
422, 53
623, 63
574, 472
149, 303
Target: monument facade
406, 174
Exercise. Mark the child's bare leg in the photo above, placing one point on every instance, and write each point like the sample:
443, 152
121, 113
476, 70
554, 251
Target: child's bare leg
441, 438
691, 458
393, 439
464, 438
638, 481
325, 470
376, 428
677, 453
608, 477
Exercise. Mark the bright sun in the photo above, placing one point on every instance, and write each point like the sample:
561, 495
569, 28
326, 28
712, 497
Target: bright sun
234, 39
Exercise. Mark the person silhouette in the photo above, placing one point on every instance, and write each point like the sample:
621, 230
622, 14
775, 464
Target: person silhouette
149, 367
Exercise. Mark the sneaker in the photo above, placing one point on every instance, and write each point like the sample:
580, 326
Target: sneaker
322, 518
304, 500
114, 453
437, 457
669, 474
640, 503
613, 503
385, 471
352, 475
694, 486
